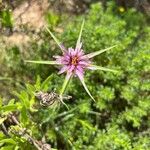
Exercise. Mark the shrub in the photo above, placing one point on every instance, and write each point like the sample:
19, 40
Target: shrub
119, 119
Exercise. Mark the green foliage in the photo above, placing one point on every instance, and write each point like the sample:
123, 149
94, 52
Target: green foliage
51, 19
119, 139
119, 119
6, 18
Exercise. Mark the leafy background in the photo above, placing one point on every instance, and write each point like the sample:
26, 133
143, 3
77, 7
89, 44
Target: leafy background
118, 120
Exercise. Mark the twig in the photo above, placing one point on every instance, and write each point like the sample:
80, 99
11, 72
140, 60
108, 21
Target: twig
4, 129
27, 136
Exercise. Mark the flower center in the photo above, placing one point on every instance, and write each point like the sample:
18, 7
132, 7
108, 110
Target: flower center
74, 60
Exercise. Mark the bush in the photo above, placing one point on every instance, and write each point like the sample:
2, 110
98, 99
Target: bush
119, 119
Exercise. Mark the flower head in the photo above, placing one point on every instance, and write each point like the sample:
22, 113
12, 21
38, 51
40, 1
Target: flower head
73, 61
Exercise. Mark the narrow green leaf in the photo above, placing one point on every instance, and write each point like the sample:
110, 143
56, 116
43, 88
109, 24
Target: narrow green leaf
45, 84
86, 124
103, 68
11, 141
80, 34
30, 88
2, 120
85, 87
16, 147
9, 147
54, 37
11, 102
24, 98
23, 115
42, 62
9, 108
66, 82
93, 54
5, 78
38, 83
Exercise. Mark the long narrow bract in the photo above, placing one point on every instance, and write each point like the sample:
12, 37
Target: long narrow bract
79, 44
86, 89
42, 62
66, 82
93, 54
56, 40
94, 67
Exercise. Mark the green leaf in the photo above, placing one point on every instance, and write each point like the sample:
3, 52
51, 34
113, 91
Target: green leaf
24, 116
93, 54
54, 37
5, 78
86, 124
9, 108
11, 102
16, 148
38, 83
103, 68
80, 34
2, 120
6, 18
51, 18
9, 147
44, 85
86, 89
66, 82
30, 88
11, 141
42, 62
24, 98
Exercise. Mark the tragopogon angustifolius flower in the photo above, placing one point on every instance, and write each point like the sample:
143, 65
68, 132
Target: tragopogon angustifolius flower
73, 61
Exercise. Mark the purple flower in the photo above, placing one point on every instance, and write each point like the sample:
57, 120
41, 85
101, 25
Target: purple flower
73, 61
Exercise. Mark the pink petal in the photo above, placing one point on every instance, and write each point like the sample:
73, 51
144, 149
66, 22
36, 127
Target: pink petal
84, 63
64, 62
70, 50
79, 71
80, 53
63, 69
58, 59
83, 57
71, 68
73, 53
67, 57
79, 74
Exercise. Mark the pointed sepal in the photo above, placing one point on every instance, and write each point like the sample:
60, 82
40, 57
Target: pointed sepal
56, 40
93, 54
79, 44
42, 62
94, 67
80, 76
